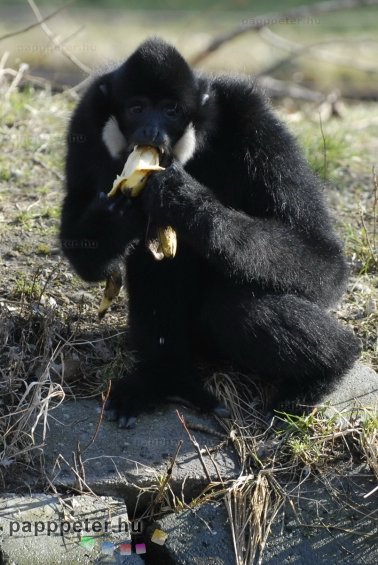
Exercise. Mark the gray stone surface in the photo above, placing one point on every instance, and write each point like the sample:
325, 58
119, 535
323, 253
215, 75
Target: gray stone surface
42, 530
195, 537
332, 523
325, 529
359, 387
119, 459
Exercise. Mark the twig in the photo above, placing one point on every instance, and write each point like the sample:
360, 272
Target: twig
279, 88
325, 165
17, 79
215, 465
195, 444
205, 430
100, 419
72, 35
168, 476
297, 50
348, 531
43, 165
79, 479
55, 41
375, 201
370, 492
3, 60
216, 448
79, 465
259, 22
40, 81
367, 237
32, 26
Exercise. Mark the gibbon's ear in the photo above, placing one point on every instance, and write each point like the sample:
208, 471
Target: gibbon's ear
104, 85
205, 97
104, 88
203, 87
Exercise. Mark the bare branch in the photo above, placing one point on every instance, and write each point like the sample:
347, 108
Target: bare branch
315, 49
278, 88
55, 41
36, 24
194, 443
260, 22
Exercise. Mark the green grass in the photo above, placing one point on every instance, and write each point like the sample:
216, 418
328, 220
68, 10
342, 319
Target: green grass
43, 249
30, 289
24, 219
317, 439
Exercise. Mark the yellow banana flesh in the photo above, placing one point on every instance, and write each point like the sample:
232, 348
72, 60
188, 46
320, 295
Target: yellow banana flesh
140, 164
168, 241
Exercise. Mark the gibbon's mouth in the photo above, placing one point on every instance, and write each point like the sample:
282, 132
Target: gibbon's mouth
165, 156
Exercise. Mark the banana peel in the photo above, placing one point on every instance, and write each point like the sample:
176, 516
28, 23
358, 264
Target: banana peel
143, 161
112, 288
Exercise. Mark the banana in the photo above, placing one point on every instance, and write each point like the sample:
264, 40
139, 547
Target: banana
111, 291
168, 241
165, 245
139, 165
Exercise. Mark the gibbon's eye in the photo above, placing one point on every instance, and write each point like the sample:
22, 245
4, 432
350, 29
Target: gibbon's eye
173, 111
136, 109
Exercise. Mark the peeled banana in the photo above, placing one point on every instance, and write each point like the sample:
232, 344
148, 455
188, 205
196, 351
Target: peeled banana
139, 165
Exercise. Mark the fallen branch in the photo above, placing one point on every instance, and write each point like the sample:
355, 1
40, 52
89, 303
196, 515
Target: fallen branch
278, 88
36, 24
297, 50
55, 41
266, 20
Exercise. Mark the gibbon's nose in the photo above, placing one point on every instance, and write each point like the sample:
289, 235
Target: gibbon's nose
152, 135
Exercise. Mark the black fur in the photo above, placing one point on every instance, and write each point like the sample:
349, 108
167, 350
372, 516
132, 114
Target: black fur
258, 262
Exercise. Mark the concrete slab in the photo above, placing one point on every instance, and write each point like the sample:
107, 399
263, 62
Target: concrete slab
201, 537
358, 388
332, 523
118, 462
47, 530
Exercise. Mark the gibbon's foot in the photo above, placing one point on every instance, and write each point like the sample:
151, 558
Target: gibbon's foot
132, 395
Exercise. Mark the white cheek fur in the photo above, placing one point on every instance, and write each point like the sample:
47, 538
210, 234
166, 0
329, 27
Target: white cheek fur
186, 145
113, 138
115, 142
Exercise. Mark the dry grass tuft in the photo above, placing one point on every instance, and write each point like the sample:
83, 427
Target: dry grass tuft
291, 450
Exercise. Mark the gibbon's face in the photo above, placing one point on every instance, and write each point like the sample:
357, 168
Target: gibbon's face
154, 100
